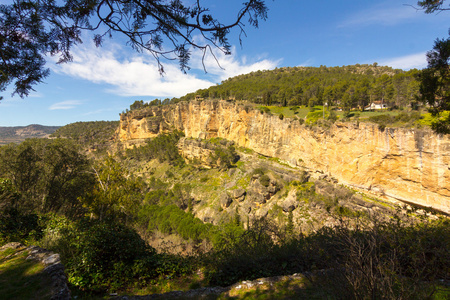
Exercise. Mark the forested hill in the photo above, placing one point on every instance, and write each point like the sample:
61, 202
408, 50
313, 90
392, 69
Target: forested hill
17, 134
89, 134
348, 86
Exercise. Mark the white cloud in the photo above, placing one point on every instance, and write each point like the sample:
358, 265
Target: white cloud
98, 111
382, 16
137, 74
307, 63
69, 104
418, 61
227, 66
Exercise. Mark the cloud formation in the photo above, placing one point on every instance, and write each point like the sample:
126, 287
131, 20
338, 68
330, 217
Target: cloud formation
137, 74
69, 104
413, 61
385, 15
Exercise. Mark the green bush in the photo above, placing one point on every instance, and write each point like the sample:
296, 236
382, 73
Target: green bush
17, 226
100, 256
313, 116
163, 147
225, 157
265, 180
172, 219
259, 171
389, 260
403, 118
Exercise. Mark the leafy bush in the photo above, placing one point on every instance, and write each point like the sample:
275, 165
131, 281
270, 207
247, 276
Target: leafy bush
100, 256
163, 147
50, 175
264, 180
332, 116
16, 226
172, 219
225, 157
390, 260
403, 118
259, 171
314, 116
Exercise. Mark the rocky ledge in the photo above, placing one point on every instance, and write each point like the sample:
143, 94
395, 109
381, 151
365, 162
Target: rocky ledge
53, 267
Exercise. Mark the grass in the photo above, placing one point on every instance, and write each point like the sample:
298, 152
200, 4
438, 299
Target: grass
21, 278
288, 111
302, 112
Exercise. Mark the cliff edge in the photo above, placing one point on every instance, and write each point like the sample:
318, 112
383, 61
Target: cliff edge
405, 164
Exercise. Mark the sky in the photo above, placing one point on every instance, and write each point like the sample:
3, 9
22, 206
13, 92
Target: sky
102, 82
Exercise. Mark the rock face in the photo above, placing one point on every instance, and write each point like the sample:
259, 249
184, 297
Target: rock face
201, 152
405, 164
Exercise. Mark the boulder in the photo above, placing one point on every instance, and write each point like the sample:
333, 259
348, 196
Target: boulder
238, 194
225, 200
290, 203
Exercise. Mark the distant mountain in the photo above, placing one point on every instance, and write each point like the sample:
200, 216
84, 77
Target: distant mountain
17, 134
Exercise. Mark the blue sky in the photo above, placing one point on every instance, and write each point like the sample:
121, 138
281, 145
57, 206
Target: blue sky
102, 82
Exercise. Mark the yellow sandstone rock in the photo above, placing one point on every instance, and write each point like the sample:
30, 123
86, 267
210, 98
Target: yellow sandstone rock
405, 164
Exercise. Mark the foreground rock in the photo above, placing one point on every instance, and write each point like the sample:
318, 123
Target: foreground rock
53, 267
291, 283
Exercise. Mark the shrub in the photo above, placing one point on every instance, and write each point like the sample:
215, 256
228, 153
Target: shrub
225, 157
313, 116
17, 226
240, 253
100, 256
172, 219
265, 180
281, 116
332, 116
259, 171
163, 147
386, 260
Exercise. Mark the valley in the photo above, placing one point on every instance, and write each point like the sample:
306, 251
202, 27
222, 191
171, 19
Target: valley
237, 199
409, 165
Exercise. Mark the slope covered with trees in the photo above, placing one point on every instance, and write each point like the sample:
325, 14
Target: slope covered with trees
348, 87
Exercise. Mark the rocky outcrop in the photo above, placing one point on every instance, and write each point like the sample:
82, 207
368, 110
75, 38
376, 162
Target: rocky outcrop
259, 191
405, 164
202, 152
53, 268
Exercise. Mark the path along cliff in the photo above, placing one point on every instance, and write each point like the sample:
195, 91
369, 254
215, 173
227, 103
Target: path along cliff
411, 165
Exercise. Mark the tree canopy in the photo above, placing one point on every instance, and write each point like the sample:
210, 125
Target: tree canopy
435, 79
32, 29
347, 86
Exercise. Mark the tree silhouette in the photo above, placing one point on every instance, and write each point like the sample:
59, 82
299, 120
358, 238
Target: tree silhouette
32, 29
435, 79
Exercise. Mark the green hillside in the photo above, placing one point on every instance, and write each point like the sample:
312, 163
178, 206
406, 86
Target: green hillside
17, 134
349, 87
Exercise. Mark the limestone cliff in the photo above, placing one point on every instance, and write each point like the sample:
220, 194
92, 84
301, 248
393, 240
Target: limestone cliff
405, 164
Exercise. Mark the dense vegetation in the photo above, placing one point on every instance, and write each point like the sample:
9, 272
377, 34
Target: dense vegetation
106, 253
100, 216
18, 134
348, 87
163, 147
95, 134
